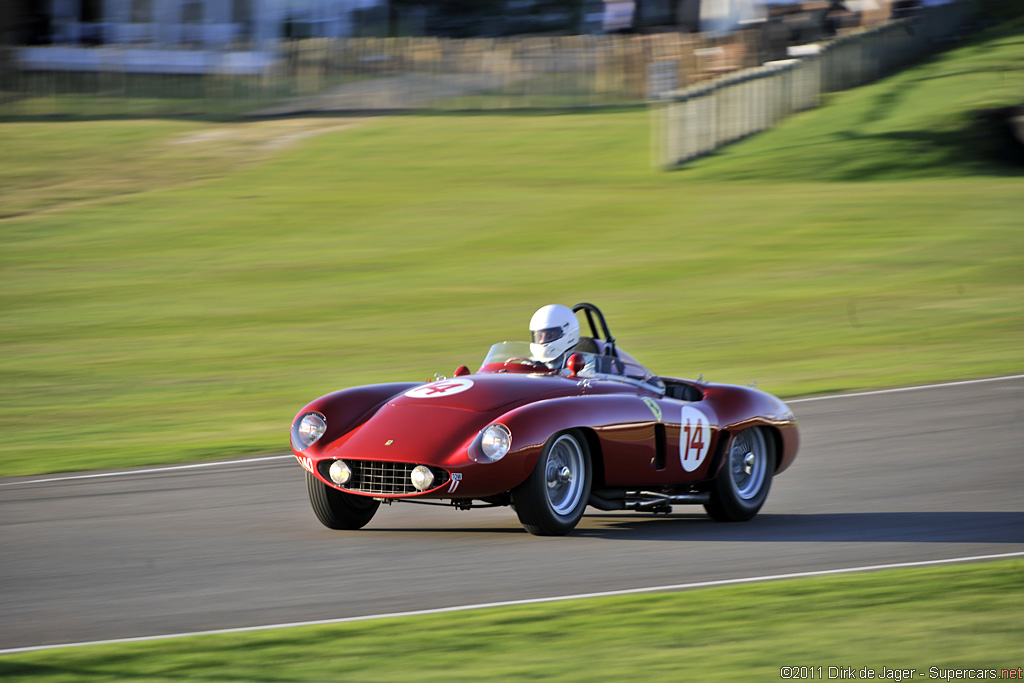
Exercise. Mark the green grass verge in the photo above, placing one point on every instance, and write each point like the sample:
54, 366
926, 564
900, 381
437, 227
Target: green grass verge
963, 617
177, 290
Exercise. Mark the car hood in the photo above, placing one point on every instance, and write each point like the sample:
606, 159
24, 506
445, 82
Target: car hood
486, 393
434, 422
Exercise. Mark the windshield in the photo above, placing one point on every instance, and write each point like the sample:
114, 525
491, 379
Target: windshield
509, 350
518, 353
623, 368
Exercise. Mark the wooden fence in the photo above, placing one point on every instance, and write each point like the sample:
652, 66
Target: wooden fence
702, 118
356, 74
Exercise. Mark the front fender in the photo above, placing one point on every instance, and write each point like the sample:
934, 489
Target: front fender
346, 409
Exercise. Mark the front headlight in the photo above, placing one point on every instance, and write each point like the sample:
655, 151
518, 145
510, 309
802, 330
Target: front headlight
308, 430
495, 442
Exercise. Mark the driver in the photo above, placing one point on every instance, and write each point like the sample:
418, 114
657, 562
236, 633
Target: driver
554, 332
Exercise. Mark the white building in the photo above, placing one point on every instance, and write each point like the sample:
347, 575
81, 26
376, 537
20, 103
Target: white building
168, 36
211, 24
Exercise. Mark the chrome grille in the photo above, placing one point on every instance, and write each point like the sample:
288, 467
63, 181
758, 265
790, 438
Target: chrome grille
384, 478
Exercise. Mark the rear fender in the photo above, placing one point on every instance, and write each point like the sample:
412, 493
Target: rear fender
740, 408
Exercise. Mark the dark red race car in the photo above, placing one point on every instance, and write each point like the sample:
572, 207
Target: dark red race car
597, 429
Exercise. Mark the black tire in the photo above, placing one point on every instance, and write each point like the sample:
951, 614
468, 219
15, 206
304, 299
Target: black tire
742, 484
339, 510
552, 499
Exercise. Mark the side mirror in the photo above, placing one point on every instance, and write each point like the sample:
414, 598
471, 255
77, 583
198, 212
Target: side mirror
576, 363
461, 370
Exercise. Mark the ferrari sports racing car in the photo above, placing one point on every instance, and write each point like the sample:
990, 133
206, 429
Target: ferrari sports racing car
547, 427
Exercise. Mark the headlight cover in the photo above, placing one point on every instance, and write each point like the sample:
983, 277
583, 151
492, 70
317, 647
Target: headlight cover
307, 430
495, 442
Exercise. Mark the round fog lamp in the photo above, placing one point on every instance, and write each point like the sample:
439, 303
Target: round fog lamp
340, 472
421, 477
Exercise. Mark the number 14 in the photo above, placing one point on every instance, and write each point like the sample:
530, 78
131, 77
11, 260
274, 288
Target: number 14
693, 435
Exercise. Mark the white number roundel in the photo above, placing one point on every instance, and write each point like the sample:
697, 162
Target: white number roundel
444, 387
694, 438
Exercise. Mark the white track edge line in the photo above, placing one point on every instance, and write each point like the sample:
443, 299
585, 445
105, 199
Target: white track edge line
219, 463
528, 601
170, 468
900, 390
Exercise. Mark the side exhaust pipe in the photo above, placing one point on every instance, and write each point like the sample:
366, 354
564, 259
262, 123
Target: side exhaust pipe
644, 500
662, 502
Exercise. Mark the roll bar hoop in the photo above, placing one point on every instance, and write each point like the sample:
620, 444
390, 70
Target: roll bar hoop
590, 310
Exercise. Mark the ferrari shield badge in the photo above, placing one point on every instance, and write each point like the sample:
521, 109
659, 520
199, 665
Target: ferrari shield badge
655, 408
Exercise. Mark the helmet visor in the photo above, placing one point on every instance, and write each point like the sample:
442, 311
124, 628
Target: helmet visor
547, 335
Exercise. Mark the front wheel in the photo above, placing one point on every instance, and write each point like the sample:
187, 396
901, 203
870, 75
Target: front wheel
552, 500
339, 510
741, 486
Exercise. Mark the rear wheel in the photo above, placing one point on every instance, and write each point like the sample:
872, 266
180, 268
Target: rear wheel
741, 486
339, 510
552, 500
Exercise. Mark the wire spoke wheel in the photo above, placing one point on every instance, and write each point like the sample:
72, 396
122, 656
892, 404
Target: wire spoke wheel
563, 475
552, 500
742, 484
748, 463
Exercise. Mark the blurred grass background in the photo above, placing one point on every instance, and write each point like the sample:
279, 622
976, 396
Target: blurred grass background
960, 617
174, 290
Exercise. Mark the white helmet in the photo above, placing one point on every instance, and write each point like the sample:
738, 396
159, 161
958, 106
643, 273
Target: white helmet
553, 331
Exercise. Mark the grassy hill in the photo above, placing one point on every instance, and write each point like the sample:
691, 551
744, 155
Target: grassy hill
176, 290
926, 122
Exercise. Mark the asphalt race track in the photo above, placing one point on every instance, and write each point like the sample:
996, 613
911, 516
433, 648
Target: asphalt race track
881, 478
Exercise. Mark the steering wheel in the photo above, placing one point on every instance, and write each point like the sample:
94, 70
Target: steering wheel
520, 360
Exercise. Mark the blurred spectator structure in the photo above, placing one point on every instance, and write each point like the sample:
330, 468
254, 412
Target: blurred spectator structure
149, 57
213, 24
